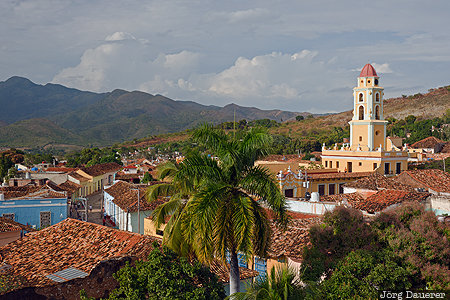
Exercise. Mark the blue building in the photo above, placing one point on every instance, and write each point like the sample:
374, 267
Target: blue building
38, 207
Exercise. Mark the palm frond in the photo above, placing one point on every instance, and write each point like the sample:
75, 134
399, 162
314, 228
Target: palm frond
159, 190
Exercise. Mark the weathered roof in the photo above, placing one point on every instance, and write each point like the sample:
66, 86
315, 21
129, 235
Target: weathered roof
340, 175
7, 224
385, 198
22, 192
290, 242
377, 182
434, 179
127, 198
70, 243
429, 142
100, 169
69, 186
78, 177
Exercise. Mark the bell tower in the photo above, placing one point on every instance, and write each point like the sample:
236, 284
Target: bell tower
368, 127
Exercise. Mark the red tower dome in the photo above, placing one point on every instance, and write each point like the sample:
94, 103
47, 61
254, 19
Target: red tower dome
368, 71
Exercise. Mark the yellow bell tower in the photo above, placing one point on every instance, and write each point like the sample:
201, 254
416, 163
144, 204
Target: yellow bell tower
368, 127
368, 149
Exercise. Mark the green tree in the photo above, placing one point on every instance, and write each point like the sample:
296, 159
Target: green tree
147, 178
166, 276
213, 206
299, 118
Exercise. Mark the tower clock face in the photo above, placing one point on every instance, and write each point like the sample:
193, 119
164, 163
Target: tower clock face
376, 81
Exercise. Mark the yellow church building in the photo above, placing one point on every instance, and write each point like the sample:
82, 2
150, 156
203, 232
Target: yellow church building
369, 149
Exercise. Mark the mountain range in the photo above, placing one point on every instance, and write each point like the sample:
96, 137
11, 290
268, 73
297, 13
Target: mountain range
34, 115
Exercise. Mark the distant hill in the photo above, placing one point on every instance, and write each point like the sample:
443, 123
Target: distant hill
424, 106
103, 119
21, 99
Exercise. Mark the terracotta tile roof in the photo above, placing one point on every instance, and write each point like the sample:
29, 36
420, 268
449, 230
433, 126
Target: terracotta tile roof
126, 198
343, 175
429, 142
446, 148
223, 272
343, 198
122, 176
70, 243
284, 158
54, 186
60, 169
78, 177
100, 169
377, 182
290, 242
434, 179
18, 191
293, 214
385, 198
69, 186
10, 225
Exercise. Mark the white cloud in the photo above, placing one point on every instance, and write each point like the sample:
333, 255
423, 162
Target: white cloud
119, 36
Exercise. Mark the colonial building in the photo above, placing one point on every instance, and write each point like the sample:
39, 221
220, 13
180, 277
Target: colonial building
368, 149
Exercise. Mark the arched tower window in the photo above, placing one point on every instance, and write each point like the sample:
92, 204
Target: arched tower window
377, 97
361, 113
361, 97
377, 112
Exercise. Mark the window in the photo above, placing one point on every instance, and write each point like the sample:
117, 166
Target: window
377, 97
341, 188
326, 164
10, 216
376, 81
337, 164
386, 168
368, 81
398, 168
377, 132
361, 112
360, 138
331, 189
349, 167
377, 112
321, 189
331, 164
360, 164
361, 97
289, 193
375, 166
45, 219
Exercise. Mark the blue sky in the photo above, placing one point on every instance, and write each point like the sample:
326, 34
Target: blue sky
290, 55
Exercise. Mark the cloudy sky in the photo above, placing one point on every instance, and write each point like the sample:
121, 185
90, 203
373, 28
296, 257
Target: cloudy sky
290, 55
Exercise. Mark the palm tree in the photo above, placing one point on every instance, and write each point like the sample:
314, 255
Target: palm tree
282, 284
213, 205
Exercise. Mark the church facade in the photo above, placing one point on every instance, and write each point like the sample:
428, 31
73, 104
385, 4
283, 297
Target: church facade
368, 149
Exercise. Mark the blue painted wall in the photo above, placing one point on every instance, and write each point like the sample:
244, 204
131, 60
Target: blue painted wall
27, 211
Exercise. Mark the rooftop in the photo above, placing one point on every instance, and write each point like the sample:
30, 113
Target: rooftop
97, 170
429, 142
127, 198
290, 242
376, 182
69, 186
385, 198
434, 179
70, 243
7, 225
368, 71
50, 190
